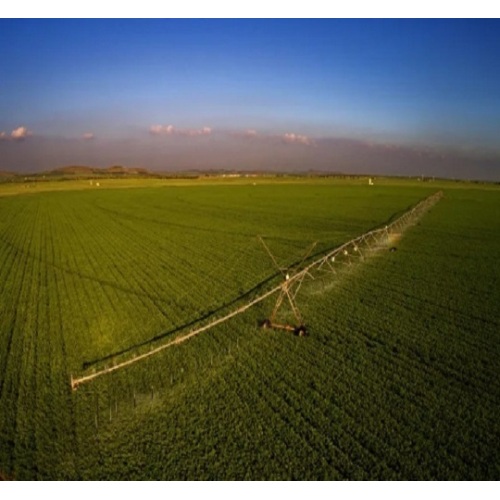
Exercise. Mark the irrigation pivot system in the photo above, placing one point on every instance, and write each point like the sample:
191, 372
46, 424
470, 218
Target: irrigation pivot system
356, 248
330, 262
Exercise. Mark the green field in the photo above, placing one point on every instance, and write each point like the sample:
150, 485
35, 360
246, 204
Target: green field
397, 380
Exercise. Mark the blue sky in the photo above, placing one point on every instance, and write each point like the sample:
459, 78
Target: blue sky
250, 93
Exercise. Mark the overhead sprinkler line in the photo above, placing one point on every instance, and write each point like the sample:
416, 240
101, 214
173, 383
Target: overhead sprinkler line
75, 382
328, 260
412, 215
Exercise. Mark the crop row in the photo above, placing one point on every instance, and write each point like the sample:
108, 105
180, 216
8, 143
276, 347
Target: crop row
397, 380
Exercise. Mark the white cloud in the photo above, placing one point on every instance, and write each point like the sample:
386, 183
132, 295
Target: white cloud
161, 129
20, 133
195, 132
250, 133
287, 138
291, 138
171, 130
88, 136
247, 134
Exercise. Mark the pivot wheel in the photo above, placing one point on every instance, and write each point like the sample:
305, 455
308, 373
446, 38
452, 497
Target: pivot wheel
300, 331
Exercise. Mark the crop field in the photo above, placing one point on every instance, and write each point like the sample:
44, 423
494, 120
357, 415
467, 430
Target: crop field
398, 378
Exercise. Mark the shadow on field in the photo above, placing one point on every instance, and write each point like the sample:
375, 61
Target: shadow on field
161, 336
173, 331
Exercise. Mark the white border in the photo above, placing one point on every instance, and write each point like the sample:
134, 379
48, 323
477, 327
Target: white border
256, 8
396, 490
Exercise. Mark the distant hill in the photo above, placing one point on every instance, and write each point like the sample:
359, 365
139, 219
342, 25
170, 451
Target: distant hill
82, 170
72, 170
117, 169
7, 174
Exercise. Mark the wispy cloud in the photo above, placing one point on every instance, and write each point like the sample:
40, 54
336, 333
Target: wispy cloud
161, 129
250, 134
18, 134
292, 138
286, 138
88, 136
246, 134
186, 132
194, 133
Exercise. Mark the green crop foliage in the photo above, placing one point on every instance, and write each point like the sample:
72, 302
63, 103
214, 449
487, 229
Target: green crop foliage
397, 380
